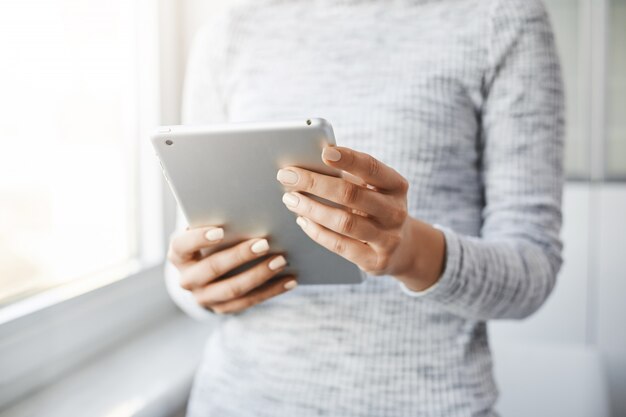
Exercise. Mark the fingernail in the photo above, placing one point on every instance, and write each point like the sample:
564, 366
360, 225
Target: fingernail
287, 177
302, 222
214, 234
291, 199
331, 154
290, 285
260, 246
277, 263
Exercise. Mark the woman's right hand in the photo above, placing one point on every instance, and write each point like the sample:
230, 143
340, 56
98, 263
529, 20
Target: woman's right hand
201, 275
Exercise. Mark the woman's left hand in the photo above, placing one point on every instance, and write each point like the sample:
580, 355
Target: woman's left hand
372, 229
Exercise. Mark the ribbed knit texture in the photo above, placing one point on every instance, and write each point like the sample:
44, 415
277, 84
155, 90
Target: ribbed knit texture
463, 98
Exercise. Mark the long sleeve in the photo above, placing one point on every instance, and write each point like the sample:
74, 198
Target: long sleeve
509, 271
202, 103
181, 297
463, 98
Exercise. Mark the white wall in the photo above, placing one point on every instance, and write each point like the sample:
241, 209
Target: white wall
609, 291
565, 316
588, 306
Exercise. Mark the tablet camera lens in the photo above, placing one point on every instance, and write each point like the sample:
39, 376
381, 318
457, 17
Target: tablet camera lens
169, 142
308, 122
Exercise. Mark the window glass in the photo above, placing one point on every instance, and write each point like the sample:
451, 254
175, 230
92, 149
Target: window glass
616, 92
67, 112
565, 18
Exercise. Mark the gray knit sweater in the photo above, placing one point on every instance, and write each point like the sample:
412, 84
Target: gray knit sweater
463, 98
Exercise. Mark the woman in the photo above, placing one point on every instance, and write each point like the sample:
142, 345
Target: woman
448, 113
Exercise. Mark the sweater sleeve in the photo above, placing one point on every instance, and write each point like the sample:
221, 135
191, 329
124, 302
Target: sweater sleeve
202, 103
180, 296
509, 271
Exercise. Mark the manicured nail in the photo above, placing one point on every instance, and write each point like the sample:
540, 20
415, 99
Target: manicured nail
277, 263
260, 246
291, 199
287, 177
331, 154
302, 222
214, 234
290, 285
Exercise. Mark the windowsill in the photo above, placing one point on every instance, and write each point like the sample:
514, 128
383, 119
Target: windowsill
70, 289
39, 348
148, 376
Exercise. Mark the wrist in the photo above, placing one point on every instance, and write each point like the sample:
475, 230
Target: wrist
421, 255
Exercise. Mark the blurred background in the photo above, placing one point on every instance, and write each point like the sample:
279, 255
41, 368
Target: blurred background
86, 327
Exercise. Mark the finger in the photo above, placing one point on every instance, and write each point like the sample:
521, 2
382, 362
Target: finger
186, 244
353, 250
266, 291
353, 179
336, 190
336, 219
362, 165
241, 284
219, 263
357, 181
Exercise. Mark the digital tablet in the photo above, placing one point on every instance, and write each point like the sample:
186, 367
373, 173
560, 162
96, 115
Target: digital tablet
225, 175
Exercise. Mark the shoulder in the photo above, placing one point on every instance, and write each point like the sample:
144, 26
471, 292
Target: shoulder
515, 24
222, 19
510, 19
517, 11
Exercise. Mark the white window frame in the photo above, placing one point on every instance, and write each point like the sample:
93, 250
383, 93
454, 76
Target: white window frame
47, 335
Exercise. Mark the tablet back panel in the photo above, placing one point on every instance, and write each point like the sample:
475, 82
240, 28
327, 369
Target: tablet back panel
226, 175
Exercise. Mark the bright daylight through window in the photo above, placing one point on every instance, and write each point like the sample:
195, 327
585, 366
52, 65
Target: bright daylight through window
68, 115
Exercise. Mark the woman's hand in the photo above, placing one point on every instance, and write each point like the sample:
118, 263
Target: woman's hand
200, 275
372, 229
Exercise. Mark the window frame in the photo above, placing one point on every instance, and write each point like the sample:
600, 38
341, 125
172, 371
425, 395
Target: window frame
45, 336
593, 41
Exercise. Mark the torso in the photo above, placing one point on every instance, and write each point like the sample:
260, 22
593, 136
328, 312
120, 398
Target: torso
400, 80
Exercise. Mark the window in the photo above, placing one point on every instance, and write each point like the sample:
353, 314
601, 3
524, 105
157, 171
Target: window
81, 91
565, 16
591, 37
616, 90
69, 110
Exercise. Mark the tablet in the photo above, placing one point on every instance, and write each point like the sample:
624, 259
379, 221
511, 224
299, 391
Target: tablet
225, 175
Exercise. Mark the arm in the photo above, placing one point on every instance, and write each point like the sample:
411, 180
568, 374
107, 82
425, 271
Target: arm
202, 285
202, 103
508, 271
511, 269
182, 297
